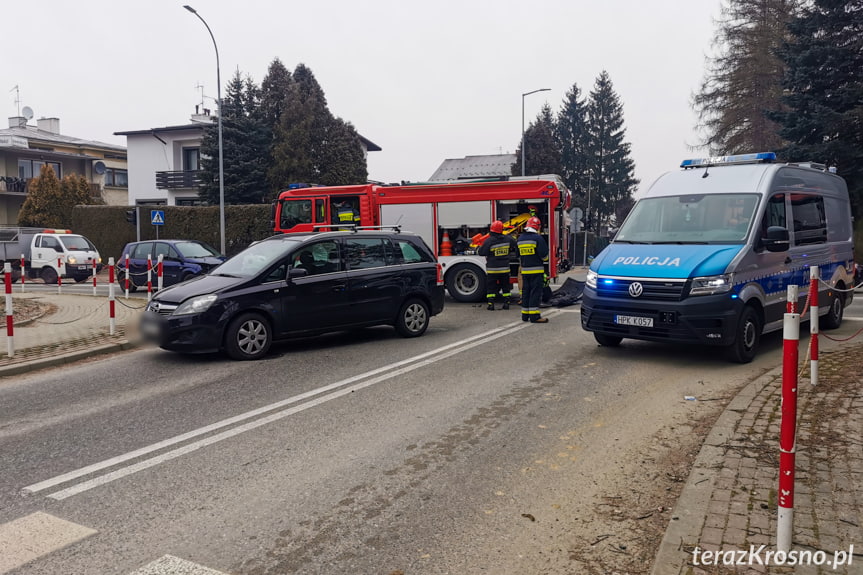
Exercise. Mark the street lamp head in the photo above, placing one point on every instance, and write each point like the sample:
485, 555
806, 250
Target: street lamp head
189, 8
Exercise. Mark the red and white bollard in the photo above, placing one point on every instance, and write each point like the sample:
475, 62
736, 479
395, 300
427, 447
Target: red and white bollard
23, 272
159, 271
814, 279
127, 277
112, 323
59, 275
94, 277
149, 277
788, 427
10, 322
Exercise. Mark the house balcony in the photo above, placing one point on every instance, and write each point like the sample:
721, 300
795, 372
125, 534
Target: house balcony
178, 180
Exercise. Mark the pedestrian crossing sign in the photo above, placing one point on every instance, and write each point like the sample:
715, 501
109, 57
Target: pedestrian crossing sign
157, 217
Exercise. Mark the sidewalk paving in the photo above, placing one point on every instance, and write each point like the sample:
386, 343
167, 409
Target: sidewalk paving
79, 328
729, 502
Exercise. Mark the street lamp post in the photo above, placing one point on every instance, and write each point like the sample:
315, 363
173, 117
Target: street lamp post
221, 156
522, 123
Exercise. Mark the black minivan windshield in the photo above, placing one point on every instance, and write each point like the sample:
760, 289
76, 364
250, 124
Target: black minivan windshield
255, 258
695, 218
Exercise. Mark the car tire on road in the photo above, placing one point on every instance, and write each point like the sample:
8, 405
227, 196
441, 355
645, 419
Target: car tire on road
466, 283
48, 275
746, 337
413, 318
248, 337
606, 340
833, 318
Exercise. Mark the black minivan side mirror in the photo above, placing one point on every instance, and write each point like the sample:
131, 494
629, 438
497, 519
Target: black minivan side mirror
776, 240
297, 273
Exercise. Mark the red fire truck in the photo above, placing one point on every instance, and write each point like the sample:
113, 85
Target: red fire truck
450, 216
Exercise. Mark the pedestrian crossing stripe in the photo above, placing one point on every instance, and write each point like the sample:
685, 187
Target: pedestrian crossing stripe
168, 565
36, 535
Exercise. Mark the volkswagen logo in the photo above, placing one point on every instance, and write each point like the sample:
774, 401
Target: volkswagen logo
636, 289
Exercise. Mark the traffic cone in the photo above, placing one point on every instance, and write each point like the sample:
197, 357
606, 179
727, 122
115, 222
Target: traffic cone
445, 245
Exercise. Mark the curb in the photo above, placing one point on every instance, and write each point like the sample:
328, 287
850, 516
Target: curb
692, 505
65, 358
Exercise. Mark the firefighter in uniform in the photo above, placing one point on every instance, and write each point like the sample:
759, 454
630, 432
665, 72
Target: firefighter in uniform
497, 249
346, 213
533, 251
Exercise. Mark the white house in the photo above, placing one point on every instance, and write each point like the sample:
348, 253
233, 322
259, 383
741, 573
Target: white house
164, 162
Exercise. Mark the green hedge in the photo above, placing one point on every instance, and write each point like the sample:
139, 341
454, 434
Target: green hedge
106, 226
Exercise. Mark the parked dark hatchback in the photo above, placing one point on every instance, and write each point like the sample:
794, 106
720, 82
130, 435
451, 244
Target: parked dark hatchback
181, 260
300, 284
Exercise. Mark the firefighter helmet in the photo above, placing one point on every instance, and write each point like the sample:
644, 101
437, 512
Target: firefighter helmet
496, 226
534, 223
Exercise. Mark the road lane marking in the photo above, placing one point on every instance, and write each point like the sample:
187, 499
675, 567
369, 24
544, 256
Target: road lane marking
170, 565
35, 535
417, 361
48, 483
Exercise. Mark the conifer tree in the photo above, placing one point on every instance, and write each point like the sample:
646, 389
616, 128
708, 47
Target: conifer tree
609, 164
572, 136
824, 90
50, 200
245, 145
743, 81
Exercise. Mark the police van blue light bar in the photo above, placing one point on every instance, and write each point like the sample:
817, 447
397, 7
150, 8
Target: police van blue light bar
761, 157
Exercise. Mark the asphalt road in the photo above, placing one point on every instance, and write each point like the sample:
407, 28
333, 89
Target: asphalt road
474, 449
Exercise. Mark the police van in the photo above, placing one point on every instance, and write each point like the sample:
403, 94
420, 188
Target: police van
707, 254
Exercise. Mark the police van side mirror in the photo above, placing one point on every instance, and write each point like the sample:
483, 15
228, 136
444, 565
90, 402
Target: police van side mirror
776, 240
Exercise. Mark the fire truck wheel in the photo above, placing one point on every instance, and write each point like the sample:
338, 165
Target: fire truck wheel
248, 337
48, 275
466, 282
413, 318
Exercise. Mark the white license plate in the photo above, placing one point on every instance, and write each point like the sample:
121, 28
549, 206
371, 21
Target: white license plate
150, 328
633, 320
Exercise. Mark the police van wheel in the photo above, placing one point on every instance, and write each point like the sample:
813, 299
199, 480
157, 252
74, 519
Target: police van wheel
746, 338
833, 319
413, 318
466, 283
606, 340
248, 337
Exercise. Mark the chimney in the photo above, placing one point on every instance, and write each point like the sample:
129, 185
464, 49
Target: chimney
17, 122
50, 125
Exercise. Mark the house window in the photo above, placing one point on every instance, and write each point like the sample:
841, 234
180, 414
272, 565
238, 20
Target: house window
191, 159
30, 168
117, 178
190, 202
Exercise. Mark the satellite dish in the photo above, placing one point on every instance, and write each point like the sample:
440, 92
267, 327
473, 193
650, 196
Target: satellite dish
99, 167
27, 112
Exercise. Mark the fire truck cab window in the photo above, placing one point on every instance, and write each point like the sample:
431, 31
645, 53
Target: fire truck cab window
296, 212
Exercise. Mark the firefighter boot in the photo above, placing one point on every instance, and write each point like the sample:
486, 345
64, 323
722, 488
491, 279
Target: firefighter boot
505, 304
490, 306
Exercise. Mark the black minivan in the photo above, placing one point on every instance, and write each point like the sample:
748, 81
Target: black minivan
300, 284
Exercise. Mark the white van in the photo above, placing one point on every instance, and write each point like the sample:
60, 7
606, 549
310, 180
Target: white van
707, 254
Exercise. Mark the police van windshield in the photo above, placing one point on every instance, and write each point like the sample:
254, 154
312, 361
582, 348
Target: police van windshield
696, 218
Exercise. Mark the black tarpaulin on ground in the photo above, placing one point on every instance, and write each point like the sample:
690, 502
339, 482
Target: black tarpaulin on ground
567, 294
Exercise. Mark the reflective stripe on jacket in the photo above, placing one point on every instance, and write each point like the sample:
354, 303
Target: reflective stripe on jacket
533, 252
497, 249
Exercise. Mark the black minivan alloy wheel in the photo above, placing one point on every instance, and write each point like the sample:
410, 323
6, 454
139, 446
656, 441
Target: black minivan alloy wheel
248, 337
413, 318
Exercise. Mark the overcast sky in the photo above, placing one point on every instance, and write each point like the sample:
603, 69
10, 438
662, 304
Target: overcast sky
426, 81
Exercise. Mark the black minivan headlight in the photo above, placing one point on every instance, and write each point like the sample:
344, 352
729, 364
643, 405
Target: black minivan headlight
197, 304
